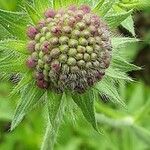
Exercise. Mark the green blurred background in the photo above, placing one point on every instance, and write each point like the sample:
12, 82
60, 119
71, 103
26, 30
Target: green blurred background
124, 129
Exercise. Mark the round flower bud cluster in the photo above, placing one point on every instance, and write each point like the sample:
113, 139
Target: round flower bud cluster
69, 49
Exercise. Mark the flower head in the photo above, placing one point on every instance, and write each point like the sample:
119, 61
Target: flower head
78, 42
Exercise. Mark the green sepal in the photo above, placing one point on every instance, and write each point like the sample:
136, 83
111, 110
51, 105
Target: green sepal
85, 102
54, 101
42, 5
106, 7
115, 20
118, 42
107, 86
33, 14
17, 46
14, 22
30, 96
98, 5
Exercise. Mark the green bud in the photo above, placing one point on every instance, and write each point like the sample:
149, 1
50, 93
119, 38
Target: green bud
64, 48
63, 58
81, 49
79, 56
40, 63
89, 65
89, 49
91, 40
35, 55
74, 69
83, 42
54, 52
38, 36
73, 43
44, 30
48, 35
80, 25
81, 63
97, 48
65, 69
98, 40
41, 54
72, 52
86, 33
71, 61
42, 39
96, 64
37, 46
54, 40
46, 58
75, 33
93, 56
67, 29
86, 57
63, 40
45, 72
46, 67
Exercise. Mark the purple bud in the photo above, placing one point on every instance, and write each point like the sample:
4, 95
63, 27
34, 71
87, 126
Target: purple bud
41, 24
95, 21
31, 32
50, 13
42, 84
79, 15
56, 30
39, 75
31, 46
72, 8
45, 47
85, 8
31, 63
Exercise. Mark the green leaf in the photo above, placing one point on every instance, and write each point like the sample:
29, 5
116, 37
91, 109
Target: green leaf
14, 22
53, 102
4, 33
30, 96
57, 4
16, 46
68, 2
56, 114
106, 7
98, 5
122, 64
42, 5
86, 103
128, 24
118, 42
116, 74
106, 86
33, 14
10, 66
115, 20
26, 79
142, 133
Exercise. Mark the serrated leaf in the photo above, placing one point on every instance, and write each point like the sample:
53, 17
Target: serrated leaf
142, 133
106, 7
42, 5
118, 42
106, 86
14, 22
29, 97
17, 46
13, 66
33, 14
122, 64
86, 103
53, 102
98, 5
56, 114
116, 74
57, 4
128, 24
115, 20
26, 79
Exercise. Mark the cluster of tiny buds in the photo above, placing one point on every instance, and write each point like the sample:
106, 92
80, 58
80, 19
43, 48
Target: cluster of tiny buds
69, 49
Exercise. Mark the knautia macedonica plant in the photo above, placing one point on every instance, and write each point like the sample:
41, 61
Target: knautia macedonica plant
66, 54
